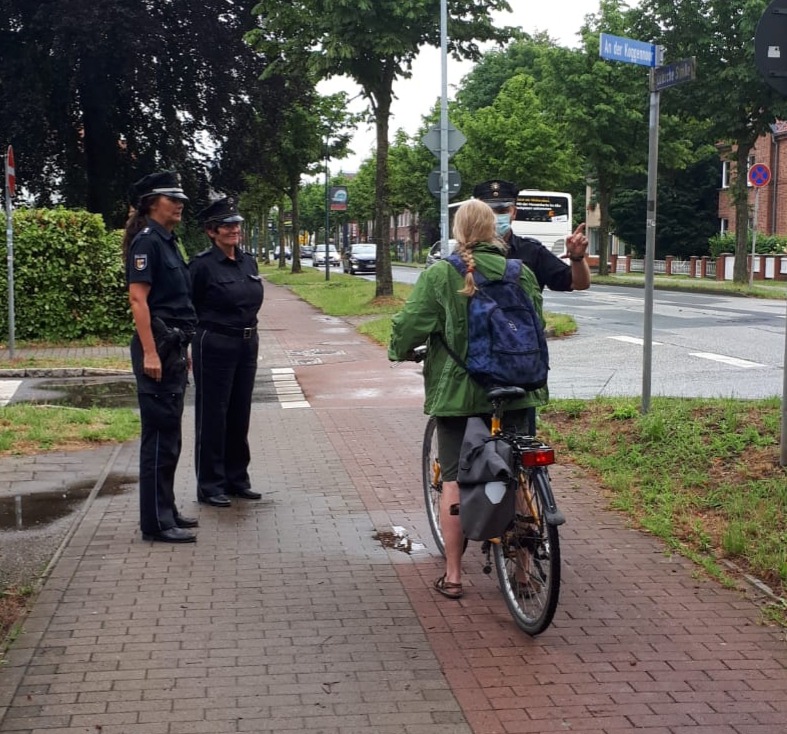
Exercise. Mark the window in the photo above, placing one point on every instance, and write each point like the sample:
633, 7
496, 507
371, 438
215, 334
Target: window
725, 174
725, 226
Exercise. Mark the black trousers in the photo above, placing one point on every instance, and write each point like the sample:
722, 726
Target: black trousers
225, 368
160, 412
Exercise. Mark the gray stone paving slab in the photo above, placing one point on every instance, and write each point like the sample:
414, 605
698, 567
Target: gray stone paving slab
286, 615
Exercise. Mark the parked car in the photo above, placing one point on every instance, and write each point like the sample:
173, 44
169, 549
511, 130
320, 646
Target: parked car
360, 258
318, 256
307, 250
436, 251
287, 253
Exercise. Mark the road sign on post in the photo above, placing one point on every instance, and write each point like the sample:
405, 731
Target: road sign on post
432, 140
759, 175
10, 172
10, 190
454, 181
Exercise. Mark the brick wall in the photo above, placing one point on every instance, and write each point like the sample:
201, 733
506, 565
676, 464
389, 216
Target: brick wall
772, 211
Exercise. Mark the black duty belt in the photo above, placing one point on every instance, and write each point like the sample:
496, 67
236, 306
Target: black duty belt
240, 333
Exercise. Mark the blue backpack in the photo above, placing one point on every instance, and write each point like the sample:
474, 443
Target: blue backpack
506, 340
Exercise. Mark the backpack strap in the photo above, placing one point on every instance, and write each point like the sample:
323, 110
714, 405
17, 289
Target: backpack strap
513, 271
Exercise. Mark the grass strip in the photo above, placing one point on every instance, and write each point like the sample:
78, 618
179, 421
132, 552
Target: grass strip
702, 474
30, 429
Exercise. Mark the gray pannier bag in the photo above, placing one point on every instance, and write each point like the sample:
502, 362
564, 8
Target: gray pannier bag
487, 486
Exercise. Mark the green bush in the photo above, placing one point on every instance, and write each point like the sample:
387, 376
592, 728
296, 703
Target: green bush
766, 244
69, 277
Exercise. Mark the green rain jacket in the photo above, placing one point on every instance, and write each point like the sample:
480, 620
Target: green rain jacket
434, 307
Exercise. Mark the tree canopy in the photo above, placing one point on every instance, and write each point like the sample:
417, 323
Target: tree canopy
96, 93
373, 42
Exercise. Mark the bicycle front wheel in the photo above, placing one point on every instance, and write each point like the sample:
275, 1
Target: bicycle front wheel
527, 558
432, 481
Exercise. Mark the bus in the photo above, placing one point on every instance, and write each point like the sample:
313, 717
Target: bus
545, 215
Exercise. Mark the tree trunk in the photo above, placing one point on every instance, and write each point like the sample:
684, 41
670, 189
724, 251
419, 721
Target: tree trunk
281, 243
296, 230
382, 115
740, 196
604, 199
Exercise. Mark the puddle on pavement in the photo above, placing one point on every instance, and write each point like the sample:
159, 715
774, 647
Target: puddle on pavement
398, 539
87, 393
102, 392
28, 511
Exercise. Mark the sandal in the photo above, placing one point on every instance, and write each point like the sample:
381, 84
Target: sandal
448, 589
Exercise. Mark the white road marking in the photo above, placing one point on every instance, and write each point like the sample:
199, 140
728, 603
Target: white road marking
287, 388
732, 361
631, 340
7, 390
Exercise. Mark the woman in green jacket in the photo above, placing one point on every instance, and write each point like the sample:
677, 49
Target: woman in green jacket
436, 314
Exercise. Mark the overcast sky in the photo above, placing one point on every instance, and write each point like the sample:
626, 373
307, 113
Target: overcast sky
415, 97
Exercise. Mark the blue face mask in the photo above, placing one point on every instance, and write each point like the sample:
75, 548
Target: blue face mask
502, 224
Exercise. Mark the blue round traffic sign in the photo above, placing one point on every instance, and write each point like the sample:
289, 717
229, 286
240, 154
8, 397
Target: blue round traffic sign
759, 175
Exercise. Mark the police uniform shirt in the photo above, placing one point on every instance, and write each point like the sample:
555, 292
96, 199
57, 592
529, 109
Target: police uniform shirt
226, 291
550, 270
154, 258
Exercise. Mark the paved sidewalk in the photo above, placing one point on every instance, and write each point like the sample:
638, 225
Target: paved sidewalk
288, 615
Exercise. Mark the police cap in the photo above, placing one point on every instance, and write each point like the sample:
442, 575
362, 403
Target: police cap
221, 211
162, 183
496, 193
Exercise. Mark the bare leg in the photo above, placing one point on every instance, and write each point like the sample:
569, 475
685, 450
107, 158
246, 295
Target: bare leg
452, 532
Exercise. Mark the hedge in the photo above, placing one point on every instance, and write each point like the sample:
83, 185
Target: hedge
69, 277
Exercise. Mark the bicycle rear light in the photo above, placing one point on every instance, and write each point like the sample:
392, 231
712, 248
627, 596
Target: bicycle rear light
538, 456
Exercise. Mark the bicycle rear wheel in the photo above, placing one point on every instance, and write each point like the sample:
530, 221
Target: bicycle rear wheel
527, 558
432, 481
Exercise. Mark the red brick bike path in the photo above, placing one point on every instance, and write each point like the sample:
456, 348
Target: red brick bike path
641, 641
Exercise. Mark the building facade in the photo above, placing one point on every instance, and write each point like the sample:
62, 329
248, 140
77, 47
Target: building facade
770, 149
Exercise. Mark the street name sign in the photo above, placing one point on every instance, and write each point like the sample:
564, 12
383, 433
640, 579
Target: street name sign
681, 71
617, 48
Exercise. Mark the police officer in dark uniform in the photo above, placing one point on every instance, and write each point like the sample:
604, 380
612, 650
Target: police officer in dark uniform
550, 270
160, 296
228, 293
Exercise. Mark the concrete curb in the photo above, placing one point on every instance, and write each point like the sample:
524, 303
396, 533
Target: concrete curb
63, 372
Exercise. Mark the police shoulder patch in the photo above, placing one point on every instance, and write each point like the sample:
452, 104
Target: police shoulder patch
140, 262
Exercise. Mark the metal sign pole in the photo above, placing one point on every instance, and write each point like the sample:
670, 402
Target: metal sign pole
444, 234
754, 235
9, 234
650, 242
327, 212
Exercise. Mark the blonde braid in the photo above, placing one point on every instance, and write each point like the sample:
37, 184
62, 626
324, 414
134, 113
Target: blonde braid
466, 253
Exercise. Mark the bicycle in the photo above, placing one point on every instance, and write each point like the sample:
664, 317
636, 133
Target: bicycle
527, 555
